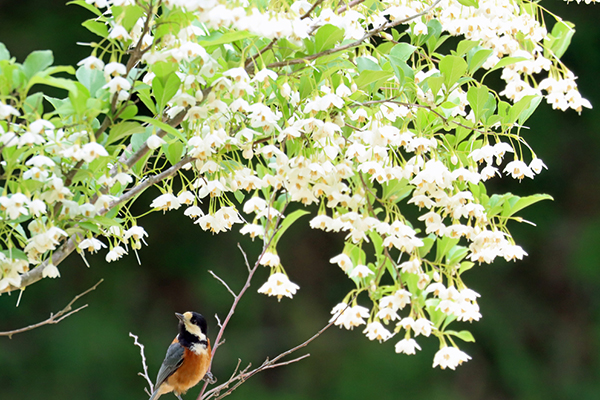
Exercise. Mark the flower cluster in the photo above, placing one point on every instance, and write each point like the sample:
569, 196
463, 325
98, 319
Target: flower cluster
258, 105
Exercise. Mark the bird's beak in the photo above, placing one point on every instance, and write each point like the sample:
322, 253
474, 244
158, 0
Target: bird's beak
180, 317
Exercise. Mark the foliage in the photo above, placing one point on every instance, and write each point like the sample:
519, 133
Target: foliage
376, 112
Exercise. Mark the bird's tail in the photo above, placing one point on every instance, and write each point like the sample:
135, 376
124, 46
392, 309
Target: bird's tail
155, 395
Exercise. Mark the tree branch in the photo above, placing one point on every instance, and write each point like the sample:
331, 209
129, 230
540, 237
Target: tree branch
356, 43
54, 318
144, 365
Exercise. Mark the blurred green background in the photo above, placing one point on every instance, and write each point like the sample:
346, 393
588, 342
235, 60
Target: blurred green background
539, 337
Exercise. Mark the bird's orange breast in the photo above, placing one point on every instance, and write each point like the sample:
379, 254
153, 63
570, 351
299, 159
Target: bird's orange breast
191, 371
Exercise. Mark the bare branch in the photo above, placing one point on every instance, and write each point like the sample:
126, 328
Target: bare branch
245, 257
241, 377
237, 298
224, 284
356, 43
55, 318
307, 14
144, 365
345, 7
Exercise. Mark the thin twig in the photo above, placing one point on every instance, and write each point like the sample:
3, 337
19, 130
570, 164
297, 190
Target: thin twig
307, 14
345, 7
144, 365
356, 43
55, 318
267, 364
223, 283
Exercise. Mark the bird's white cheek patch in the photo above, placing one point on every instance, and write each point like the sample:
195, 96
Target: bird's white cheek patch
195, 330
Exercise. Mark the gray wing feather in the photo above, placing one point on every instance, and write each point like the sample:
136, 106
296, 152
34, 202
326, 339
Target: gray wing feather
173, 360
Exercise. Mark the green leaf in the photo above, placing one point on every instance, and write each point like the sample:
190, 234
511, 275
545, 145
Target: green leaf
516, 203
464, 46
239, 196
435, 83
4, 54
560, 38
228, 37
444, 245
469, 3
123, 129
478, 99
465, 266
456, 254
37, 61
131, 14
368, 77
435, 316
174, 151
79, 98
535, 102
60, 83
92, 79
505, 62
15, 254
366, 64
463, 335
87, 6
161, 125
96, 27
427, 245
164, 89
327, 37
452, 67
89, 226
401, 52
286, 223
129, 112
477, 60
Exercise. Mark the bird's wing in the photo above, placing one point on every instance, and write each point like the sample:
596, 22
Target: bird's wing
173, 360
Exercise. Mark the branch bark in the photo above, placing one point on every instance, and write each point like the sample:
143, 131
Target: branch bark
55, 318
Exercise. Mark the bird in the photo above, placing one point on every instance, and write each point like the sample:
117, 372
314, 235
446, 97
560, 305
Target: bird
188, 357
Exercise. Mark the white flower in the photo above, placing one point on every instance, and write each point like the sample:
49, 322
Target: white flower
114, 69
361, 271
92, 245
136, 232
116, 253
375, 330
165, 202
193, 212
422, 326
117, 84
270, 259
449, 357
343, 261
154, 142
518, 170
279, 285
50, 271
407, 346
537, 165
253, 230
92, 62
349, 317
402, 298
91, 151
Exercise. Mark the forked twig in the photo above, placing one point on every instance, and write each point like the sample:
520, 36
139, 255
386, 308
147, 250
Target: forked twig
144, 365
55, 318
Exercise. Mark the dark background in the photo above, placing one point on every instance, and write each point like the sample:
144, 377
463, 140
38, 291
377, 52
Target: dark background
539, 337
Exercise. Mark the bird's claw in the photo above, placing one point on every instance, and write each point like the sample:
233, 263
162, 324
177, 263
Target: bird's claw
210, 378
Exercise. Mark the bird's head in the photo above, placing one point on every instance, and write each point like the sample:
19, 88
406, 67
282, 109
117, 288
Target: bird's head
194, 324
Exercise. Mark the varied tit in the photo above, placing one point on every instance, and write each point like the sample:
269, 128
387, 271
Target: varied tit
188, 357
